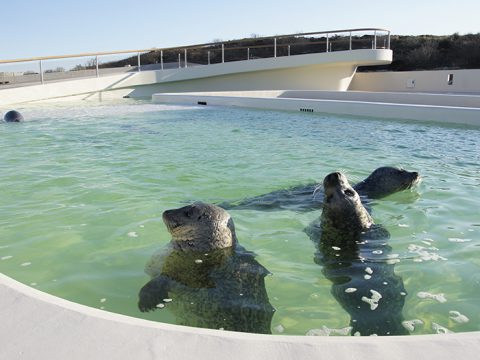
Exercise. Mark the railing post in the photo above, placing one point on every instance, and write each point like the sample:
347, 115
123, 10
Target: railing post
388, 41
327, 41
288, 50
41, 72
208, 55
138, 61
179, 61
350, 47
274, 47
161, 59
223, 53
248, 53
96, 66
185, 58
375, 40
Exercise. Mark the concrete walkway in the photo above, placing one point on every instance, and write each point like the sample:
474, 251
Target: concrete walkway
35, 325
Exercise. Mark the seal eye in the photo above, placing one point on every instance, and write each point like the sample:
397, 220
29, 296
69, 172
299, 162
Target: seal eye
189, 213
349, 192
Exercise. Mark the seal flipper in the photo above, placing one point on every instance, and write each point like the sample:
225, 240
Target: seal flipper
153, 293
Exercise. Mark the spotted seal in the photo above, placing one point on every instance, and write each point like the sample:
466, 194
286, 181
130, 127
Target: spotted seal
380, 183
354, 256
13, 116
204, 277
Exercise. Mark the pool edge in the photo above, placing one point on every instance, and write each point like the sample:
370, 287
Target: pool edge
42, 326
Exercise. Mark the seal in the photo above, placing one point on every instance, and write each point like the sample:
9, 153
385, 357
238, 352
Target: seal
204, 277
354, 256
380, 183
385, 181
13, 116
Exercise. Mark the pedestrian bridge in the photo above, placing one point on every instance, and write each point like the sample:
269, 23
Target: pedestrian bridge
325, 60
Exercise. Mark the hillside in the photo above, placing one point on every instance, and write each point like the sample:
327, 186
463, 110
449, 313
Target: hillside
424, 52
427, 52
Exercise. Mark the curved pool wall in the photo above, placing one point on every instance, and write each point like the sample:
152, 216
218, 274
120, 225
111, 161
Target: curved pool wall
36, 325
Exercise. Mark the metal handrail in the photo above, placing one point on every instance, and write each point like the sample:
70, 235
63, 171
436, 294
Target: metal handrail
214, 46
192, 46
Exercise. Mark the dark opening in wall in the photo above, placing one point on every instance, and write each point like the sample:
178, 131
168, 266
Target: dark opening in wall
450, 79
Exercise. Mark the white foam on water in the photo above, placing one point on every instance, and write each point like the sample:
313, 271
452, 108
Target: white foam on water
369, 270
410, 325
392, 261
373, 301
198, 261
438, 297
439, 329
26, 264
132, 234
424, 254
79, 110
458, 240
325, 331
161, 306
350, 290
367, 277
279, 329
457, 317
103, 300
6, 257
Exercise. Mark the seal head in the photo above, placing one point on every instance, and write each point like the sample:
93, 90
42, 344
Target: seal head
200, 227
387, 180
13, 116
342, 208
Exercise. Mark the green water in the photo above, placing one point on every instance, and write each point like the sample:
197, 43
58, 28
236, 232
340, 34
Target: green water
83, 187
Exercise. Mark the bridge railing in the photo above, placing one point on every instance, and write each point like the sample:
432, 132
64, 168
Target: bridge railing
21, 72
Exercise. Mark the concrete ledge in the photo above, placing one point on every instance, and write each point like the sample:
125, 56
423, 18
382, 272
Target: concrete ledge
378, 109
36, 325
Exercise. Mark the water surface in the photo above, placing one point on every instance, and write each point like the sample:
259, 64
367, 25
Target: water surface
83, 187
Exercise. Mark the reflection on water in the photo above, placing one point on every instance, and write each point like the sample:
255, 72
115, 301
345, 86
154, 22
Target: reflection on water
364, 282
222, 289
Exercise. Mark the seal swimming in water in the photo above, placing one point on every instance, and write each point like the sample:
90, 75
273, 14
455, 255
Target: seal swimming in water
13, 116
380, 183
205, 277
353, 252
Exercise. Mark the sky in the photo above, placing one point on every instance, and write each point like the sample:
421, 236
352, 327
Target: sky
31, 28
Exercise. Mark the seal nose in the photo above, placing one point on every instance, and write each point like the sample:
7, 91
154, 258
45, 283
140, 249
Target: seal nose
167, 214
332, 179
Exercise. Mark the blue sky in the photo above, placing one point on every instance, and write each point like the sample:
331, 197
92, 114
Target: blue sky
30, 28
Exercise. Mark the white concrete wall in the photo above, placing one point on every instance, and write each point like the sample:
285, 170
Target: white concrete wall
464, 81
381, 110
